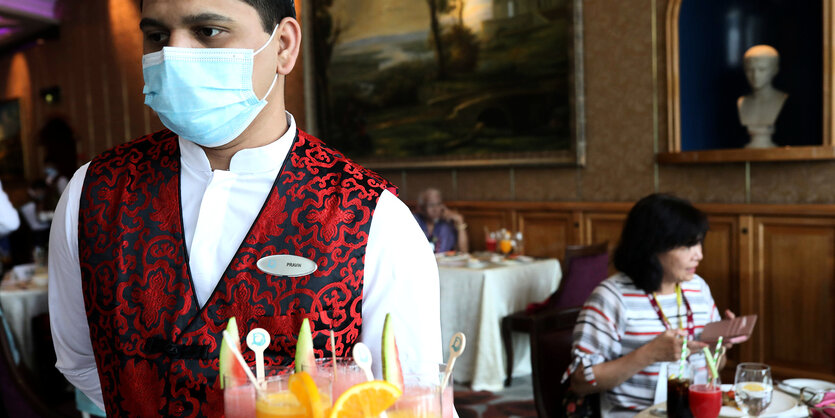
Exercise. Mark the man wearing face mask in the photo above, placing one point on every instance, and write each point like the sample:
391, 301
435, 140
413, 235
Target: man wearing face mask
154, 243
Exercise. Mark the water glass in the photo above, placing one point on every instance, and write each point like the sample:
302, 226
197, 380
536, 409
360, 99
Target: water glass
753, 387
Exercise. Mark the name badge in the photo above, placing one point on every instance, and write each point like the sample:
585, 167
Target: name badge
286, 265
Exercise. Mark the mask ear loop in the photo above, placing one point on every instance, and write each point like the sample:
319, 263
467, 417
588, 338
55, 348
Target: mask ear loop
261, 49
272, 35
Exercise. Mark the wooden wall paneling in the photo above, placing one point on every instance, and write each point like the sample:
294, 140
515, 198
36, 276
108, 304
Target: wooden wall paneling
795, 286
720, 269
546, 233
478, 220
747, 274
599, 227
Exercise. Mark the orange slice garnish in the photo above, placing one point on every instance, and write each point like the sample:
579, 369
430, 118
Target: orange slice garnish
364, 400
305, 390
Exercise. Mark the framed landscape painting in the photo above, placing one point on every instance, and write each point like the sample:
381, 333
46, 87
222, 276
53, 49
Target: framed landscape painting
448, 83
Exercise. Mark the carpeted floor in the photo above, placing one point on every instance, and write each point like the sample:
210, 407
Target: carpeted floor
513, 401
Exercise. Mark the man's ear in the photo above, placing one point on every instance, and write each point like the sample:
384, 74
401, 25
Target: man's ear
289, 44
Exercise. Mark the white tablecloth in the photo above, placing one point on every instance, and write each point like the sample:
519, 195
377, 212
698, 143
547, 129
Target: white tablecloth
474, 301
20, 306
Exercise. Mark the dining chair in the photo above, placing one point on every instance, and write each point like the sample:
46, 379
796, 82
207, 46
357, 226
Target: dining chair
585, 267
20, 396
551, 340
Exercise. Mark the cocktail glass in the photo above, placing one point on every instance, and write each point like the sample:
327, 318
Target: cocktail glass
276, 400
505, 246
238, 397
421, 396
490, 242
447, 398
346, 374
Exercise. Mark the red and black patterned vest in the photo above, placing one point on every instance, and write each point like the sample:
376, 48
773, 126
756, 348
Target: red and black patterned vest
156, 349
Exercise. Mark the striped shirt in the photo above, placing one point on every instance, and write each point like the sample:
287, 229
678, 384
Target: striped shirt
618, 318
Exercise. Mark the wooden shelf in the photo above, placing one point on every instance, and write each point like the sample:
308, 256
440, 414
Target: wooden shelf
805, 153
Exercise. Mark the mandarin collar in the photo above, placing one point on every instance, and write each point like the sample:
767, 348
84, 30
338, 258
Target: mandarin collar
250, 160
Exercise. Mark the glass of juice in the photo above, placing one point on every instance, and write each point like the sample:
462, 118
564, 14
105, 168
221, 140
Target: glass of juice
679, 379
276, 401
705, 400
421, 396
490, 242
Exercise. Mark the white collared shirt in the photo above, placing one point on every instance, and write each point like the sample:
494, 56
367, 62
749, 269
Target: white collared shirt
219, 207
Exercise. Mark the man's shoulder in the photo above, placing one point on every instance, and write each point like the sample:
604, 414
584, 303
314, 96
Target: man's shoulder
328, 156
160, 139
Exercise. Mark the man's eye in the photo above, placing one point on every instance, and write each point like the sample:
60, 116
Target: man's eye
156, 37
208, 32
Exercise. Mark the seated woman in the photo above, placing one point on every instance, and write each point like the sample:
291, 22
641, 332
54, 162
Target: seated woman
635, 320
444, 227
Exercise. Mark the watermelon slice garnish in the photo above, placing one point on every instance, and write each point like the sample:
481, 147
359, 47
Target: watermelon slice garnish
228, 364
392, 371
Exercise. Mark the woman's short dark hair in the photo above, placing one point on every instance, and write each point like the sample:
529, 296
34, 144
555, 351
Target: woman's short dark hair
656, 224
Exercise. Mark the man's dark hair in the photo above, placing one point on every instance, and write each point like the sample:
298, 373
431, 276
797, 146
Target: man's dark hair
656, 224
271, 11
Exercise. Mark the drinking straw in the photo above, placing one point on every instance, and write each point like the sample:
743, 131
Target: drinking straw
711, 364
683, 359
716, 353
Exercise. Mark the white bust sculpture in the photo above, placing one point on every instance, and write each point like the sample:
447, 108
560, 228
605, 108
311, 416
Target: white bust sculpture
758, 110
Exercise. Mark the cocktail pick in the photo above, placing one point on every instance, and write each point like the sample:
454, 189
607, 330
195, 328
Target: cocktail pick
456, 346
362, 356
333, 351
258, 340
242, 362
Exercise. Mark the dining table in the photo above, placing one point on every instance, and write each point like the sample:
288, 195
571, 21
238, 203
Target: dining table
790, 398
21, 300
476, 293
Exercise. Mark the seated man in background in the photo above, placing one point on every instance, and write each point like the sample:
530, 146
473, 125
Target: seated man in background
9, 222
444, 227
35, 219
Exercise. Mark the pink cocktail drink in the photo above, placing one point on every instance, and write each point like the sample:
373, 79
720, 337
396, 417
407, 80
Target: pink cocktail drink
418, 401
238, 398
345, 374
705, 400
447, 406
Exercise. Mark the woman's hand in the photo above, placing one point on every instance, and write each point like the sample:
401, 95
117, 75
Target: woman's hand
666, 346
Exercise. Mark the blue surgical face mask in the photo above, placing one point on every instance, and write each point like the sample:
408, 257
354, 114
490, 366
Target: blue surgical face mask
203, 94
